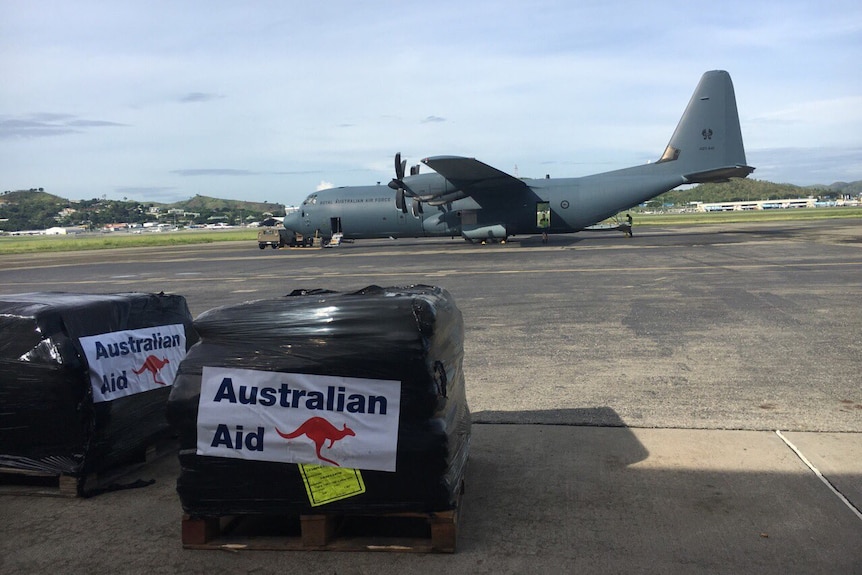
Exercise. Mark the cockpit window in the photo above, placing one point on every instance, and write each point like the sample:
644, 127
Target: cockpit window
312, 199
670, 154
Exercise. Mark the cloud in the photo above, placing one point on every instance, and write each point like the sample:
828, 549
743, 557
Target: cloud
570, 89
195, 97
46, 124
806, 166
324, 185
213, 172
91, 123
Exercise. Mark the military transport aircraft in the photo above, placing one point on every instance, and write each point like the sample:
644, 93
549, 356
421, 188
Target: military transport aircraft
468, 198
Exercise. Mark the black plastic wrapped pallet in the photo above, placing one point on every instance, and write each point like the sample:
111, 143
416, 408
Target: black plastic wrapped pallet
413, 335
48, 419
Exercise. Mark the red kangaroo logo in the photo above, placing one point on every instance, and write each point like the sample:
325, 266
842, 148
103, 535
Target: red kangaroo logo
154, 365
319, 431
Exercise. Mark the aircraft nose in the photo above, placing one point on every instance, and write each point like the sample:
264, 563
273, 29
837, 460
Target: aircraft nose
291, 221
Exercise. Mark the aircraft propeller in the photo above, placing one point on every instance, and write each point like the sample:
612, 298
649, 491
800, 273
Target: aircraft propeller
401, 189
397, 183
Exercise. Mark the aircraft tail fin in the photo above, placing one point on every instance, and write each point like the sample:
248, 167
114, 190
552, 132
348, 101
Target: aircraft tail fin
707, 143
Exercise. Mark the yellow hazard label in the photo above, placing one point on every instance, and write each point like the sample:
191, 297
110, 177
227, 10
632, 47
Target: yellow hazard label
327, 484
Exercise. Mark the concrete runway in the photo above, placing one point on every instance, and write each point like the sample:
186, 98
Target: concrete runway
683, 401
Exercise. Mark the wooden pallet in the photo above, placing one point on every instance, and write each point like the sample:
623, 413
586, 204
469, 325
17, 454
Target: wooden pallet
421, 532
28, 482
15, 481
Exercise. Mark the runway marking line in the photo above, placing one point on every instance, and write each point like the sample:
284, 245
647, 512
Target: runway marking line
819, 475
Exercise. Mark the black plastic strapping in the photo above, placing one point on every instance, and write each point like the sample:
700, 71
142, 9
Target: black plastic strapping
409, 334
48, 421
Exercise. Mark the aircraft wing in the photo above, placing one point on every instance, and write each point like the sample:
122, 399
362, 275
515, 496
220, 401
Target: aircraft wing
474, 177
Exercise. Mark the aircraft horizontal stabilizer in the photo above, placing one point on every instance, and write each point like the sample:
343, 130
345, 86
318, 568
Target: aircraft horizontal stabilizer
718, 174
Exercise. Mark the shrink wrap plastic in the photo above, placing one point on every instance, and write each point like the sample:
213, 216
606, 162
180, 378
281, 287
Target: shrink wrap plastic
413, 335
48, 420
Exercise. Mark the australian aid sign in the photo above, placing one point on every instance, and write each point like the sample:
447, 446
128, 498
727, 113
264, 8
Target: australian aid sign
299, 418
133, 361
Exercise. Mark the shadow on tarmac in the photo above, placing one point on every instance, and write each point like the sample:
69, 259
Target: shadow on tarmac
591, 416
620, 500
539, 498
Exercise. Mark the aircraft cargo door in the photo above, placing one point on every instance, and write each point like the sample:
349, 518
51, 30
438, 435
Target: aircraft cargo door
543, 216
335, 225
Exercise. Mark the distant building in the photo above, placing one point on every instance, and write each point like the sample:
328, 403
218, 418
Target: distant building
756, 205
64, 231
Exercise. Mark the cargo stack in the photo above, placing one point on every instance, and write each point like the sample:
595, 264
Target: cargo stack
323, 402
84, 378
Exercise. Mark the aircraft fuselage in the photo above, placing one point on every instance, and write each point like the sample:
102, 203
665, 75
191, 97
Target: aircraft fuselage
364, 212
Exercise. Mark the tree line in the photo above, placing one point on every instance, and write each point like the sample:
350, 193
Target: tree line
35, 209
749, 189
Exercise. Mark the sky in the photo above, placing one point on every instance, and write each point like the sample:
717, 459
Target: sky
271, 100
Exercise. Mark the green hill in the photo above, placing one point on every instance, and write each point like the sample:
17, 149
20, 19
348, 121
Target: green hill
36, 209
29, 209
206, 204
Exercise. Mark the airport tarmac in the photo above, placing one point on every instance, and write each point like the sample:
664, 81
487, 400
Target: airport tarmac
683, 401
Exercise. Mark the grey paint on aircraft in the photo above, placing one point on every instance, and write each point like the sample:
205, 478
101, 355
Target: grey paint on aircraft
468, 198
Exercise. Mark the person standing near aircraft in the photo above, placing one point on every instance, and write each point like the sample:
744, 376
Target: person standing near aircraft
544, 222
